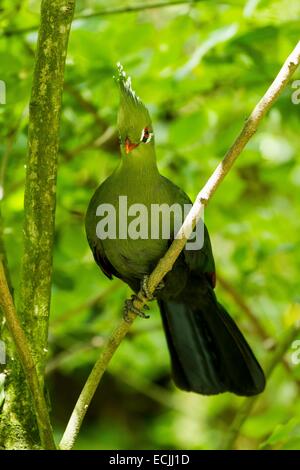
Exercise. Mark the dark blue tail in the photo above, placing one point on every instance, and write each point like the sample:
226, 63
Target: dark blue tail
209, 354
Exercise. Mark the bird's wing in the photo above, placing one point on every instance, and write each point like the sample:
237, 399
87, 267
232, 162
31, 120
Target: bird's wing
102, 261
202, 261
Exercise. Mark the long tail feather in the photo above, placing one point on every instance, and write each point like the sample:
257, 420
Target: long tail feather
209, 354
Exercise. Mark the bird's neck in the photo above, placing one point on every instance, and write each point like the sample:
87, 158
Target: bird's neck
141, 164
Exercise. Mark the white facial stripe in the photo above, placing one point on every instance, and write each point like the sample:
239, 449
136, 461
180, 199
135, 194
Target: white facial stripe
145, 139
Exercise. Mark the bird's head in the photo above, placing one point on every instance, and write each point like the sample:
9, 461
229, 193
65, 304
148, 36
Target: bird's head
134, 122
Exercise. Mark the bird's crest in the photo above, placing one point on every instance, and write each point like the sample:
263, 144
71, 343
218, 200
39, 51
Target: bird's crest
124, 83
133, 115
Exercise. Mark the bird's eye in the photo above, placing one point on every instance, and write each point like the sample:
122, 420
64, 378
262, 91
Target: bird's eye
146, 135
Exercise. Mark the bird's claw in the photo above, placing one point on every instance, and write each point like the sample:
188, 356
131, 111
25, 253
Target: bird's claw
145, 288
129, 307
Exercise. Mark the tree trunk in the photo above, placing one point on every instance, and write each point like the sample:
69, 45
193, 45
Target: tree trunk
18, 426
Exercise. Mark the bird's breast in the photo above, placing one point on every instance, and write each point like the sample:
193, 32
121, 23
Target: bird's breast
135, 223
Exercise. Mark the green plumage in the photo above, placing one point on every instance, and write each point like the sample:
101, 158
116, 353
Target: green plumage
208, 353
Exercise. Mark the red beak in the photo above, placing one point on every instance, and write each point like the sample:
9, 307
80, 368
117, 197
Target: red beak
129, 145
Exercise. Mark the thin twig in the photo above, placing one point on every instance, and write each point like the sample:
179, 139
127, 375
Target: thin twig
137, 8
153, 391
109, 12
90, 303
86, 105
268, 341
10, 138
94, 142
9, 144
166, 263
23, 349
109, 136
243, 306
247, 407
3, 254
147, 388
3, 257
77, 350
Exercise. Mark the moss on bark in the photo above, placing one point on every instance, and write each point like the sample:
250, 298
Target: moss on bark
18, 427
40, 188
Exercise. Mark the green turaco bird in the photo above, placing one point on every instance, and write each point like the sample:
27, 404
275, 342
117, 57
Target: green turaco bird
209, 354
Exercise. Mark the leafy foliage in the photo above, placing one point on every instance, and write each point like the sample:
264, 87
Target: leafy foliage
200, 68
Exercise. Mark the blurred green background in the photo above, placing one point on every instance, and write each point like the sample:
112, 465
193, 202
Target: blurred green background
200, 67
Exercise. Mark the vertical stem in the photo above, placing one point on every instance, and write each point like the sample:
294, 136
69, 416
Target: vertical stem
22, 346
40, 186
18, 427
3, 254
22, 417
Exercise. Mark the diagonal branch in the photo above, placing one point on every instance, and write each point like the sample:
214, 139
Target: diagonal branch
167, 261
18, 415
22, 346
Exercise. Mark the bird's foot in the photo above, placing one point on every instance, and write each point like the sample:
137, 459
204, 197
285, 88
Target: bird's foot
146, 291
129, 307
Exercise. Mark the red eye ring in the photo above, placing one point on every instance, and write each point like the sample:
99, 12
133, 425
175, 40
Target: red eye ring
146, 135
